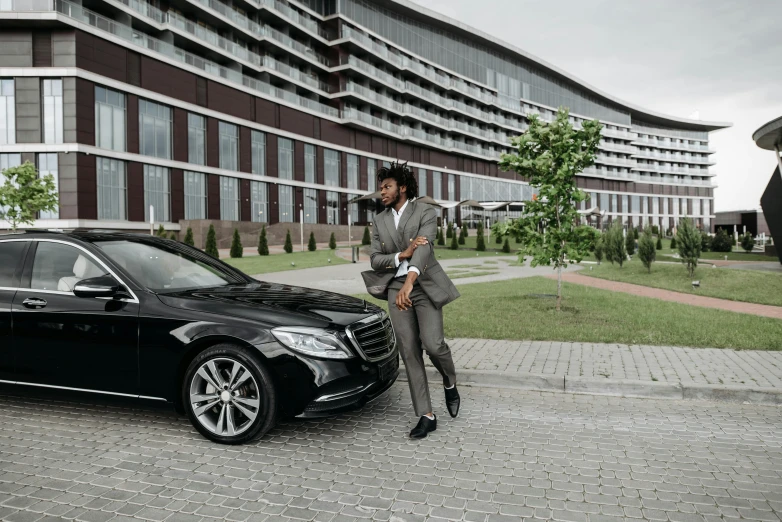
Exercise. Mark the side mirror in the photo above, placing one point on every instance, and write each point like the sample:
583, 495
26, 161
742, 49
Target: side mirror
101, 286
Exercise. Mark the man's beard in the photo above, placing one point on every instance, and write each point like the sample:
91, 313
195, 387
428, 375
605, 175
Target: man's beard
394, 201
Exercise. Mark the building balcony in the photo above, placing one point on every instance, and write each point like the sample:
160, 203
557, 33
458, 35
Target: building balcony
620, 134
661, 144
641, 178
675, 158
646, 167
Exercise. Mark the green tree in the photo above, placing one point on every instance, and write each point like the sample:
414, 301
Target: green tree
464, 230
506, 246
630, 242
646, 249
237, 250
367, 239
705, 242
332, 242
688, 243
462, 235
635, 233
288, 243
449, 231
599, 247
721, 242
24, 194
614, 244
211, 242
172, 236
454, 242
480, 243
550, 155
312, 246
161, 232
497, 238
659, 244
441, 238
673, 243
747, 242
655, 230
733, 240
263, 243
189, 237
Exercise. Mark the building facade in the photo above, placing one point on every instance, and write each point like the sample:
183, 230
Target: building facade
276, 111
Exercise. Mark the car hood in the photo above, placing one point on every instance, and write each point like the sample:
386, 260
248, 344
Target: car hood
274, 304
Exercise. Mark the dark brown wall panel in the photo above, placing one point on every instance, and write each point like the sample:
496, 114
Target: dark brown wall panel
335, 133
168, 80
201, 91
87, 182
213, 196
131, 113
441, 160
298, 161
85, 112
227, 100
363, 141
42, 48
180, 135
322, 215
363, 182
245, 208
271, 155
320, 176
177, 196
298, 203
135, 177
343, 205
100, 56
458, 193
429, 182
212, 143
404, 152
343, 169
274, 207
245, 151
299, 122
265, 112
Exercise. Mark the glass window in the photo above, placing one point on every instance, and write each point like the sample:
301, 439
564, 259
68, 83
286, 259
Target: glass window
352, 171
331, 167
112, 191
47, 164
636, 203
696, 207
452, 187
196, 139
195, 195
109, 119
310, 206
332, 208
655, 205
52, 111
665, 206
10, 257
286, 204
675, 203
371, 175
7, 112
259, 198
229, 199
625, 207
285, 157
229, 146
310, 158
706, 208
258, 152
422, 182
614, 206
437, 180
157, 193
603, 201
58, 267
154, 129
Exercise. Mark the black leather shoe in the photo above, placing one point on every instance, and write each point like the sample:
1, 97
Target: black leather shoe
452, 401
424, 426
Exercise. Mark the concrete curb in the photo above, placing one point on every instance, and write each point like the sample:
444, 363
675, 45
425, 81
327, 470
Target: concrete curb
611, 387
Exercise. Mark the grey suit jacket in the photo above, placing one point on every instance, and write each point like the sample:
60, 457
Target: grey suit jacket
418, 219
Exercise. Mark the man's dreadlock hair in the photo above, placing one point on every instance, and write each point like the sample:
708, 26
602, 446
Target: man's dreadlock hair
403, 175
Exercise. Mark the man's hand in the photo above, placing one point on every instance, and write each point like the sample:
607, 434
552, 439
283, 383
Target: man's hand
403, 301
408, 252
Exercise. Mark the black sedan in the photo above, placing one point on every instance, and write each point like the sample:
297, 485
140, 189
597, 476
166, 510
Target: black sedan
150, 318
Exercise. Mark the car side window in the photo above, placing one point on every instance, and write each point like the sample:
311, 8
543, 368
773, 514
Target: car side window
59, 267
10, 257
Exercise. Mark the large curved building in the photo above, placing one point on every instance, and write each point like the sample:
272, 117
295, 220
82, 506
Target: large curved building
268, 110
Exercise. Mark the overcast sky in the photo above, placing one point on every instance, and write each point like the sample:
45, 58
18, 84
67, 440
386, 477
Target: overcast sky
720, 58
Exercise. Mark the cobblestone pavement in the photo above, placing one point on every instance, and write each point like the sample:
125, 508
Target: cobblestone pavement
511, 455
617, 361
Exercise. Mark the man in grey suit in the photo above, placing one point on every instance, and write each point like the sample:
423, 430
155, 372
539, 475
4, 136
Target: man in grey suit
403, 243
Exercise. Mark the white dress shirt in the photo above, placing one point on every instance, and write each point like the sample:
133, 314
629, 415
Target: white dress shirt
404, 266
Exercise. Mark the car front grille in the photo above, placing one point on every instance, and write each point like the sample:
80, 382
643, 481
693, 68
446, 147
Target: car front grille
375, 338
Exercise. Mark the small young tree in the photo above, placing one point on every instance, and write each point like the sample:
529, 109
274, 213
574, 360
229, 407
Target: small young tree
630, 243
747, 242
311, 245
464, 230
449, 231
655, 230
673, 243
462, 235
237, 250
263, 243
480, 243
498, 238
659, 244
732, 240
24, 194
705, 242
332, 242
721, 242
172, 236
599, 247
454, 242
367, 239
506, 246
161, 232
211, 243
614, 245
189, 237
688, 242
288, 243
441, 237
635, 233
646, 250
550, 155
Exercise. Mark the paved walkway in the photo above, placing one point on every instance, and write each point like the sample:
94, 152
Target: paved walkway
774, 312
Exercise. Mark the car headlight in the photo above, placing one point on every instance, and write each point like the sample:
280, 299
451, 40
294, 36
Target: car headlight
312, 341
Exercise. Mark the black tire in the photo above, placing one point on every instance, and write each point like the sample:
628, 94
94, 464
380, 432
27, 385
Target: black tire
222, 356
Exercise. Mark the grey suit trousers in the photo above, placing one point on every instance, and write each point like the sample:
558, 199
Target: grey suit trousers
419, 329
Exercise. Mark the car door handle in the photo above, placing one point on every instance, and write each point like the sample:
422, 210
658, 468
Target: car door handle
34, 302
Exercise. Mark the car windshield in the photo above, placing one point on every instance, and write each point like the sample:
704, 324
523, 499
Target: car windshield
161, 268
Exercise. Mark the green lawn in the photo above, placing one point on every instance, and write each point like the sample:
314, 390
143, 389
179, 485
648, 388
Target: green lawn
444, 253
735, 256
506, 310
277, 263
724, 283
